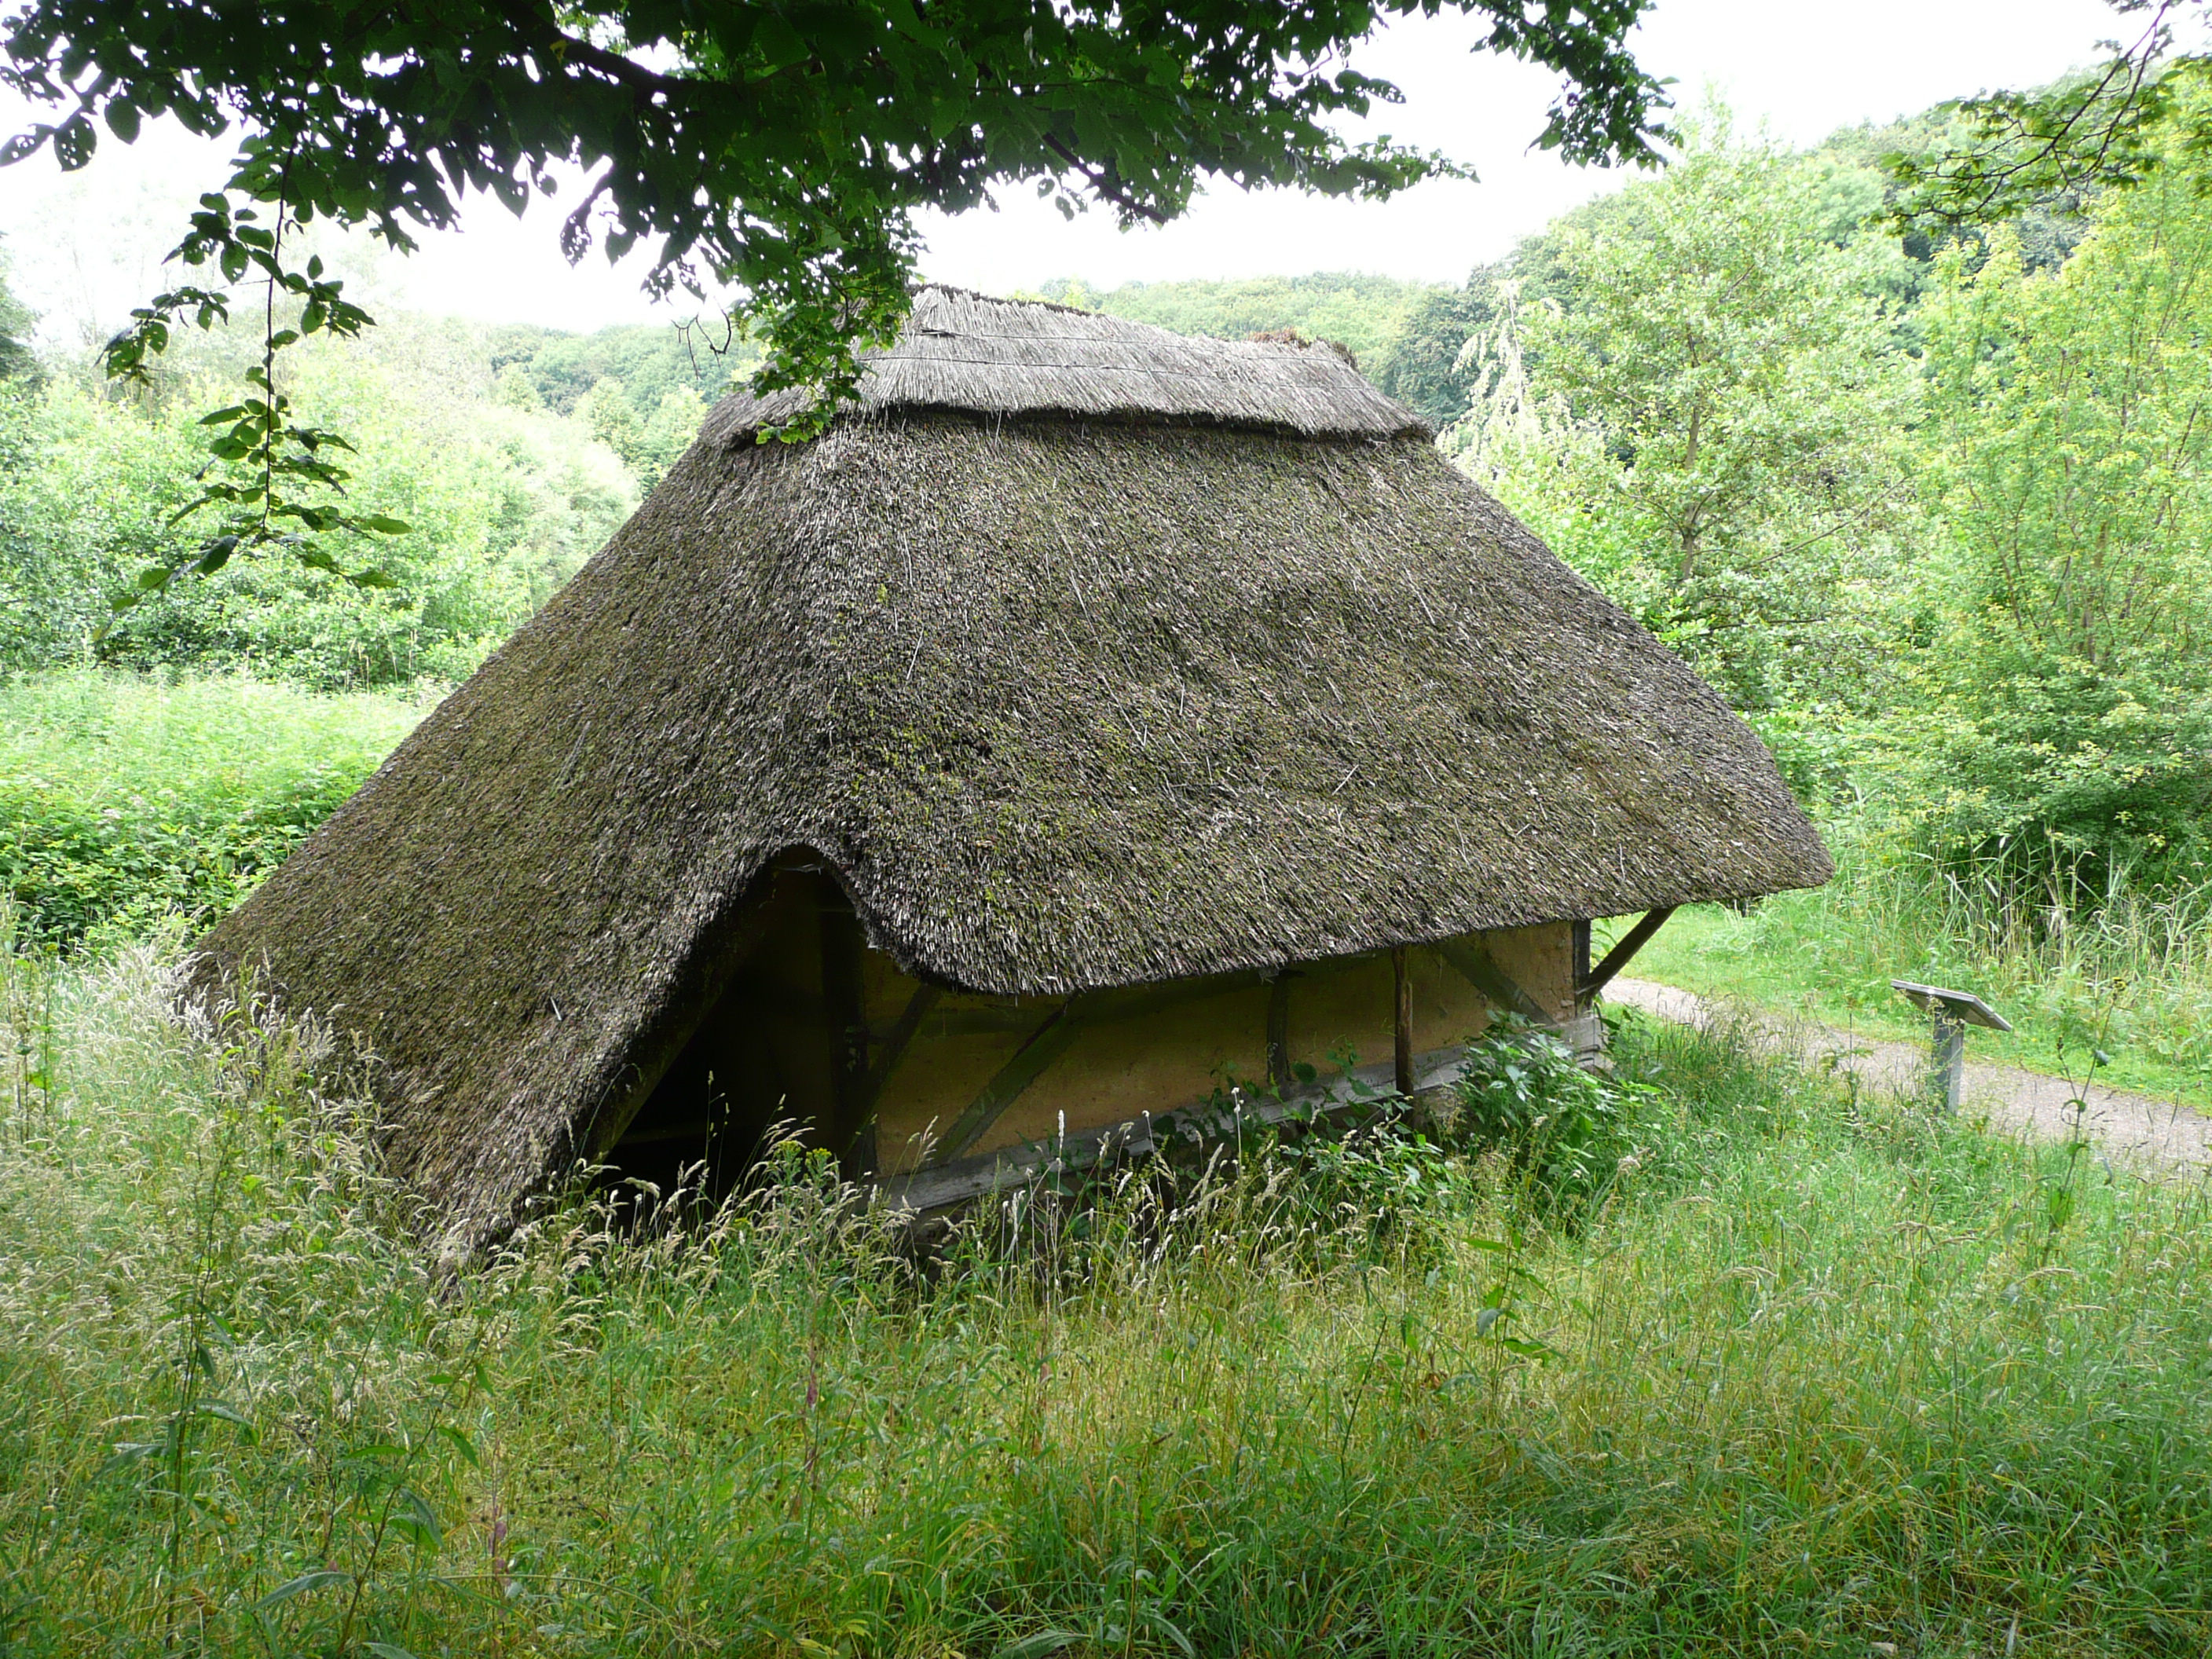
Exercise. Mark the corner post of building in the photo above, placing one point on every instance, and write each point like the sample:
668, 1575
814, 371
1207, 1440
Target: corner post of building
1401, 1023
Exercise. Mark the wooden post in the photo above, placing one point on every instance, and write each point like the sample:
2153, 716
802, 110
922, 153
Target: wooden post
1278, 1031
1402, 1024
852, 1132
1948, 1081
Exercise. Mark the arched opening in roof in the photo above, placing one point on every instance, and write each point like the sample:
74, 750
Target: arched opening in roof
773, 1049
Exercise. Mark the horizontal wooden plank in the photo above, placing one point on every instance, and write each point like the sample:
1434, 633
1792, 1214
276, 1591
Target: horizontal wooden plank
940, 1185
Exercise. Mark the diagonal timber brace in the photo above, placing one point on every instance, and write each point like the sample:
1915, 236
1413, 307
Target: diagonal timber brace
1622, 953
1480, 969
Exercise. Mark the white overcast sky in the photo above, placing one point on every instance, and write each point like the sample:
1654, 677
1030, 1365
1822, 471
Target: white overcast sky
84, 249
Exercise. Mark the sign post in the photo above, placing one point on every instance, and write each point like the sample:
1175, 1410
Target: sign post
1953, 1012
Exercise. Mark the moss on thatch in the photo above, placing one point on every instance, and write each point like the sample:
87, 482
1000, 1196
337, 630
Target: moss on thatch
1065, 705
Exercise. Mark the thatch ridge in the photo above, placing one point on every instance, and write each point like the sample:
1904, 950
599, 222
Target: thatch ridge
1064, 706
1021, 360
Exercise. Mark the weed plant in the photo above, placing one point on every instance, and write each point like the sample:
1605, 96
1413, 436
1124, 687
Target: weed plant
1803, 1371
126, 799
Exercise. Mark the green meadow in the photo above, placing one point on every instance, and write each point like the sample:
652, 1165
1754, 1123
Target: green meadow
1766, 1367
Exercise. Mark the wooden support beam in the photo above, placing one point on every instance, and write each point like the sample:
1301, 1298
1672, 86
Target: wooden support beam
852, 1132
1046, 1045
896, 1043
1278, 1031
1402, 1022
1623, 953
1480, 969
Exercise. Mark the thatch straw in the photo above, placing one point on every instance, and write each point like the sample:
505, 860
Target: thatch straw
1065, 705
1001, 357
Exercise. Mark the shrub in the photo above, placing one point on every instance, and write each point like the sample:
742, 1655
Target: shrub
503, 505
126, 799
1564, 1131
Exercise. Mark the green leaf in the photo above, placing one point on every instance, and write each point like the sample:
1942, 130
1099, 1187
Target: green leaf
1043, 1642
385, 526
1528, 1349
122, 119
127, 1453
74, 143
418, 1519
313, 1580
228, 1413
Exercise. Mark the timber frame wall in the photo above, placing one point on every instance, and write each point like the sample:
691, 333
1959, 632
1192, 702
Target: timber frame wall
915, 1085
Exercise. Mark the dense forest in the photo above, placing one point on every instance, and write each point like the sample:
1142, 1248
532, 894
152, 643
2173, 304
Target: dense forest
1928, 508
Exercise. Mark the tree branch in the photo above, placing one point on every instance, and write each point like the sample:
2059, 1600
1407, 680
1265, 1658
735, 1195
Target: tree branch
1094, 177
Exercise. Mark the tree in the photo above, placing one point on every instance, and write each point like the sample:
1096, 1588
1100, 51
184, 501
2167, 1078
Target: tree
17, 360
2071, 682
1721, 331
2012, 152
780, 147
1420, 364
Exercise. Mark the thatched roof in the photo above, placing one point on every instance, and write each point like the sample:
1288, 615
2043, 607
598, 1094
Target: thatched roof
1066, 704
996, 357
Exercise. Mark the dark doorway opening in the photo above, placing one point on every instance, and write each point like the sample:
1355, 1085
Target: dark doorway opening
771, 1057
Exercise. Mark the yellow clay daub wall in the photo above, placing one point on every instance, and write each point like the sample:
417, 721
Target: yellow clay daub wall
769, 1048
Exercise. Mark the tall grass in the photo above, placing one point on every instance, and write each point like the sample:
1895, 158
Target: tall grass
126, 798
2130, 974
1808, 1373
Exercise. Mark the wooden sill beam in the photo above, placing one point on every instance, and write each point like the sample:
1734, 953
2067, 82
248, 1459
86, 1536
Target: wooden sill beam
954, 1183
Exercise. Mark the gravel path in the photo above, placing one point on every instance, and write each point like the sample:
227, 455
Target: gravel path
2130, 1126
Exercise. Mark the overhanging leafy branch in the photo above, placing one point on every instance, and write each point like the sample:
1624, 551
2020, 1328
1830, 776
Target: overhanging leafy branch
264, 465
